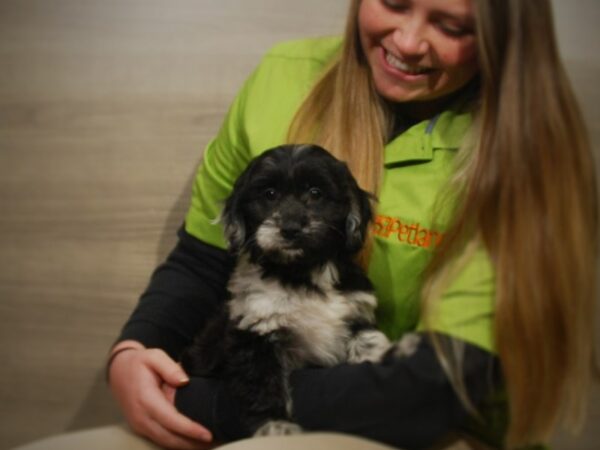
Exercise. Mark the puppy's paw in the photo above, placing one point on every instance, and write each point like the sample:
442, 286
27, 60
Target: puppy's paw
278, 428
406, 346
367, 345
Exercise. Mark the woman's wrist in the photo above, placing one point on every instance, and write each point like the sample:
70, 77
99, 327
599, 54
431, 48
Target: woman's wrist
119, 348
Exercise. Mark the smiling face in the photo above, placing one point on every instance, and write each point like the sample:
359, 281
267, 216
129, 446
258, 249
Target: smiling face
418, 50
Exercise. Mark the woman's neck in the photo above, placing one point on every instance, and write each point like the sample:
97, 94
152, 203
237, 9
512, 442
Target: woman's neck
422, 110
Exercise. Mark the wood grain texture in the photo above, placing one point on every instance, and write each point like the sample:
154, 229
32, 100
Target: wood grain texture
105, 107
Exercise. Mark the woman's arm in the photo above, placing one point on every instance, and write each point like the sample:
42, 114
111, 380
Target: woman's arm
182, 294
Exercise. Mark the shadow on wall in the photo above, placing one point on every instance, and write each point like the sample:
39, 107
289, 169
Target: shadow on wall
99, 407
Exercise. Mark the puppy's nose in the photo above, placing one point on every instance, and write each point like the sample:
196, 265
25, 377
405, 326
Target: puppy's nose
290, 230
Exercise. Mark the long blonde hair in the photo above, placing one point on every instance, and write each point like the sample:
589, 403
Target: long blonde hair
527, 191
344, 113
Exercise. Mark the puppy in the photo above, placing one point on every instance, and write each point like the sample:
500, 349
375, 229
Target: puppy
295, 220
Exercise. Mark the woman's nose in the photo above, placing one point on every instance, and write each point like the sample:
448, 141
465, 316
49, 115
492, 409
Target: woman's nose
410, 39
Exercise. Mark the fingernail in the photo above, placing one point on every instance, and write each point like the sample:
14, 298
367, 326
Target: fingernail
207, 437
184, 380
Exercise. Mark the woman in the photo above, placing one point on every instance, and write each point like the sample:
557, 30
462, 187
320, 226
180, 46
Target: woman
461, 120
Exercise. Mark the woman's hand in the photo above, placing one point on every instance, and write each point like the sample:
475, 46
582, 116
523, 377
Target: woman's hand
143, 381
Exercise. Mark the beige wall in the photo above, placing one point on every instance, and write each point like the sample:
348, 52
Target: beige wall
105, 106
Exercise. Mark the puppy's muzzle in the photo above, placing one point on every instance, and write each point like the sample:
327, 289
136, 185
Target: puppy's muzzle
290, 231
291, 225
287, 231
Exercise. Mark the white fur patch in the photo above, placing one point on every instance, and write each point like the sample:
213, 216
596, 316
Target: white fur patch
407, 345
278, 428
367, 345
326, 277
317, 321
269, 239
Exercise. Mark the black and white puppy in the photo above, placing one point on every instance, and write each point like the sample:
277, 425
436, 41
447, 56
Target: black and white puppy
295, 220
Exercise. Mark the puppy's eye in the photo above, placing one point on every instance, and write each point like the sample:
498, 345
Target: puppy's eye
270, 194
315, 193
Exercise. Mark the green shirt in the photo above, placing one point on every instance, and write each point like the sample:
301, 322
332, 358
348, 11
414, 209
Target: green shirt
418, 164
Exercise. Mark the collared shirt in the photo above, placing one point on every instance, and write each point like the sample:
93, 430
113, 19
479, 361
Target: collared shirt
411, 214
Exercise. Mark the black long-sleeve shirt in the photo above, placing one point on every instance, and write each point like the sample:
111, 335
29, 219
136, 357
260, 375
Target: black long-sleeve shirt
407, 402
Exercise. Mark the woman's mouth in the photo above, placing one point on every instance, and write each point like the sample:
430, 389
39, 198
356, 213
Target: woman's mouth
408, 69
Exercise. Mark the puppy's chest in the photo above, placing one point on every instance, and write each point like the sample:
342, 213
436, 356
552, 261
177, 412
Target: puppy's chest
317, 321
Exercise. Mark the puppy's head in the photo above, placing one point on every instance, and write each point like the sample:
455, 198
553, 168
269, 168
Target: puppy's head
296, 203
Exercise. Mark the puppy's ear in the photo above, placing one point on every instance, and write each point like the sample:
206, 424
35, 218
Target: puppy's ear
357, 221
232, 217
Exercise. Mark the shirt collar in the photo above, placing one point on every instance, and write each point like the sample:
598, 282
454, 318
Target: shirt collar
447, 131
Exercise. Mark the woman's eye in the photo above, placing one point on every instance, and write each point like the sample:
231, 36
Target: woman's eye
453, 30
396, 5
270, 194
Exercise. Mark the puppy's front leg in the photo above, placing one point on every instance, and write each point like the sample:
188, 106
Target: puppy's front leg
258, 381
405, 347
367, 344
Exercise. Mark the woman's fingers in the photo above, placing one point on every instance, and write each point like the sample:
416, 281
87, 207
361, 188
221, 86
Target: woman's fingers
163, 412
169, 392
137, 379
167, 369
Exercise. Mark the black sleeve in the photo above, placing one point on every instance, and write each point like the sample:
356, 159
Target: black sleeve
405, 402
183, 292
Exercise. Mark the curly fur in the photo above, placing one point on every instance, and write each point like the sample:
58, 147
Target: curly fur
295, 219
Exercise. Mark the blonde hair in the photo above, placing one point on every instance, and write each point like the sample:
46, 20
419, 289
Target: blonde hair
526, 190
344, 113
